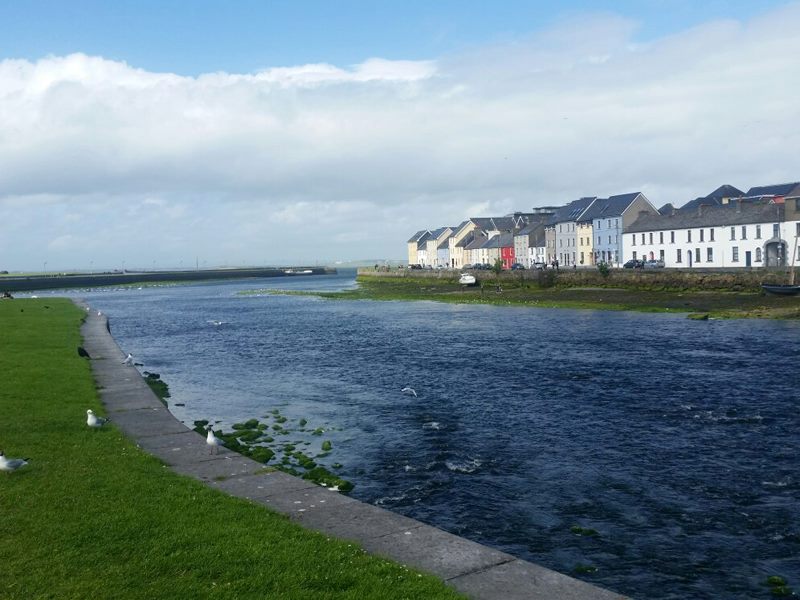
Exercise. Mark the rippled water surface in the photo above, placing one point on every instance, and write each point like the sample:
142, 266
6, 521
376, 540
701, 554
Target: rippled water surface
676, 440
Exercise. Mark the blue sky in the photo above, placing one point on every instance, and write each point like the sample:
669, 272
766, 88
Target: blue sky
201, 36
246, 133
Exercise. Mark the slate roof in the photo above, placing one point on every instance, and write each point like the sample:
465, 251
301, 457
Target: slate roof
445, 244
666, 209
504, 240
724, 215
714, 198
534, 233
478, 241
781, 189
495, 223
423, 241
572, 211
437, 232
416, 237
613, 206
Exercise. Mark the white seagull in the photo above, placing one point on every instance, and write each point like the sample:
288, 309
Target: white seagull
213, 441
92, 420
128, 359
409, 390
11, 464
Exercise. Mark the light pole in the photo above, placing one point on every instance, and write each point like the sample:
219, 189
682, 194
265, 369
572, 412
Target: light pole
44, 269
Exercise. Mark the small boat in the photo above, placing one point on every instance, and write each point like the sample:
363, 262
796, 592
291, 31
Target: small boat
467, 279
781, 289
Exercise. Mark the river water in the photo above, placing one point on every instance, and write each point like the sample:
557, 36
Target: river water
675, 440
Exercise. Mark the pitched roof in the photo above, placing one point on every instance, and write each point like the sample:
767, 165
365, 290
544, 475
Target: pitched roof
423, 241
781, 189
572, 211
416, 237
613, 206
666, 209
495, 223
504, 240
734, 213
534, 234
714, 198
478, 241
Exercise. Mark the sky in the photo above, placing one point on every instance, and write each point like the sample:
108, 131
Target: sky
168, 134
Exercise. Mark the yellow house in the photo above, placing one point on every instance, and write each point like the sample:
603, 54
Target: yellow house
413, 245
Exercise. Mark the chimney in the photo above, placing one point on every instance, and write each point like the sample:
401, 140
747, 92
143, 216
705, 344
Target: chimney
738, 205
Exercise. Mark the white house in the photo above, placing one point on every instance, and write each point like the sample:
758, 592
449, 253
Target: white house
742, 233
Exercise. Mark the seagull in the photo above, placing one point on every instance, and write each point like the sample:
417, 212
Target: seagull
92, 420
409, 390
213, 441
128, 359
11, 464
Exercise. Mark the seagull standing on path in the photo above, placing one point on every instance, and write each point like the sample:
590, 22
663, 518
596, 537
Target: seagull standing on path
409, 390
92, 420
128, 359
213, 441
11, 464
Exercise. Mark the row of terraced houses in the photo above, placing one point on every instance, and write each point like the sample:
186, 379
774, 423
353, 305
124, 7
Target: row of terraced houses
726, 228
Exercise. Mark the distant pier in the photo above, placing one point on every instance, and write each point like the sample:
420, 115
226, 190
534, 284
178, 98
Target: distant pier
11, 283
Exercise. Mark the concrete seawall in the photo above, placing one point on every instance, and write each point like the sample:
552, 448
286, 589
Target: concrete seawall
81, 280
477, 571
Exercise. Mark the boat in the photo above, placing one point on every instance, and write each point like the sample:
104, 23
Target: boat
467, 279
785, 289
781, 289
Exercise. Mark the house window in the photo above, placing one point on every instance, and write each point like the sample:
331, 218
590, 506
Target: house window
609, 239
609, 223
711, 234
671, 237
758, 254
702, 235
616, 238
744, 232
709, 255
697, 255
688, 235
797, 232
660, 237
758, 232
776, 230
598, 240
634, 255
678, 257
735, 257
581, 257
733, 233
634, 240
661, 254
651, 237
642, 238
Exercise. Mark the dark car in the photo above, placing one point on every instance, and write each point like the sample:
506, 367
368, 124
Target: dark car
517, 267
414, 266
633, 264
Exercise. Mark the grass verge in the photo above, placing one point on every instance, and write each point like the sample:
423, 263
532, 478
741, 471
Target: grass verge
92, 516
722, 305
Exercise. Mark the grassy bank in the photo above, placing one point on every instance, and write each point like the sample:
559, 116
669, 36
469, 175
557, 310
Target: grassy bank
510, 291
92, 516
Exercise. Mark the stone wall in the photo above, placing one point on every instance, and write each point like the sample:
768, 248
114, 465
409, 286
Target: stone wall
736, 280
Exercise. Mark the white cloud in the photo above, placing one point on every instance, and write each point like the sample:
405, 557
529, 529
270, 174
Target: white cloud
161, 164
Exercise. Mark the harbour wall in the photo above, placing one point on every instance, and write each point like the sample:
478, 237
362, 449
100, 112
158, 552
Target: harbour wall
733, 280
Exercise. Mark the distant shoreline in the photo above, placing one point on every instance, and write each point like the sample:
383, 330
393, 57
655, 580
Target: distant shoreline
26, 283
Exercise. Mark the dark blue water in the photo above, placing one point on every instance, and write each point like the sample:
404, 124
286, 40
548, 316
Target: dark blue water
676, 440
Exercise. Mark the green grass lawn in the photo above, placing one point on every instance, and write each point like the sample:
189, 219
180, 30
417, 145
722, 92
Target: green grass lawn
94, 517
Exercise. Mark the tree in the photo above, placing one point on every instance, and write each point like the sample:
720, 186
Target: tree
497, 267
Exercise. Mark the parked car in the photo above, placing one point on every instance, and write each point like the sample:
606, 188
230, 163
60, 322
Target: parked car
539, 266
654, 264
517, 267
467, 266
633, 264
415, 266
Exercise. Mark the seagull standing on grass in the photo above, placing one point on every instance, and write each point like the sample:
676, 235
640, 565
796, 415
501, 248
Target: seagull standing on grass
11, 464
128, 359
92, 420
409, 390
213, 441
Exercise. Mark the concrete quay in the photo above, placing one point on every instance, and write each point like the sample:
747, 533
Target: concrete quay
475, 570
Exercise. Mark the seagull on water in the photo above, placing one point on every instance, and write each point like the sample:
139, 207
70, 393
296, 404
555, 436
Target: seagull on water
11, 464
128, 359
409, 390
213, 441
92, 420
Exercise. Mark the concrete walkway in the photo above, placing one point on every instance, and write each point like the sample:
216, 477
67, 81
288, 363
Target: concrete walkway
475, 570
